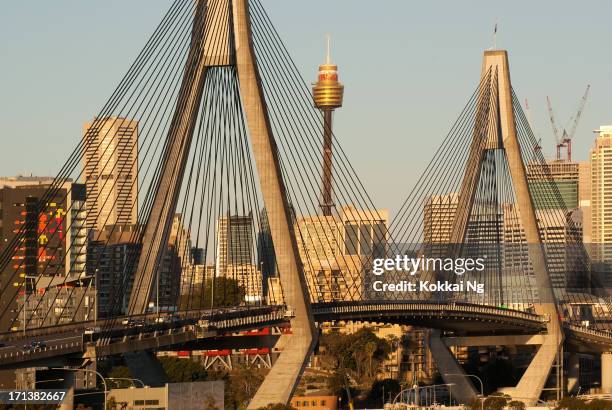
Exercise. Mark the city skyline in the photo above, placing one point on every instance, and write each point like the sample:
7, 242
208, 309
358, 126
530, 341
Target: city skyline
416, 87
208, 224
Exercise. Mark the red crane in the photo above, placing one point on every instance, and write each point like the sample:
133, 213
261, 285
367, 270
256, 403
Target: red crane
565, 139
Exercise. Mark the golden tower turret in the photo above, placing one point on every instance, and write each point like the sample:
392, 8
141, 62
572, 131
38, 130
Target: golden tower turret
328, 91
327, 94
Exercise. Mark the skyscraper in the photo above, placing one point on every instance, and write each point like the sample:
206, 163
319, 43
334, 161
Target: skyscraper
111, 171
601, 194
234, 242
438, 217
584, 200
53, 247
337, 252
554, 185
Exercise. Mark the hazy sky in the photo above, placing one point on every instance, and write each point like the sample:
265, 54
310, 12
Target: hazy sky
408, 69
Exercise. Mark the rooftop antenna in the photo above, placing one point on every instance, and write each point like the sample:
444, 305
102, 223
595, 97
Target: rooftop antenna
495, 35
328, 60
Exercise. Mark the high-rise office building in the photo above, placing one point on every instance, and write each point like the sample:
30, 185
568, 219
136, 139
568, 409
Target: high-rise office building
337, 251
180, 237
601, 194
560, 231
113, 257
234, 242
438, 217
554, 185
110, 168
484, 224
52, 250
584, 201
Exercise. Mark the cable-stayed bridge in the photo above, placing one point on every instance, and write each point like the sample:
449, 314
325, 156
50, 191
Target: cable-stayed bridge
210, 146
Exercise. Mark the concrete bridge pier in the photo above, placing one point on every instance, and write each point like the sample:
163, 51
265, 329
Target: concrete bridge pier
606, 372
450, 369
573, 373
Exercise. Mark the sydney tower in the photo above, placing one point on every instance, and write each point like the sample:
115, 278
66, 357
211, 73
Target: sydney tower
327, 93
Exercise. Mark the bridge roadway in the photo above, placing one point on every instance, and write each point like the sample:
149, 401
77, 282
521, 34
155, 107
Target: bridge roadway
116, 337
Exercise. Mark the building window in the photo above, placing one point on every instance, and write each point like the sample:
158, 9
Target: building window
379, 240
365, 240
351, 239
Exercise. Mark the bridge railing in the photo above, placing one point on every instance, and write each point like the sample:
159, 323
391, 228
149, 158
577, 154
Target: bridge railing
102, 323
606, 334
429, 306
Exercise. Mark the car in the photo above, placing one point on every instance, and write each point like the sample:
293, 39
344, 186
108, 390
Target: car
137, 323
133, 322
91, 330
37, 345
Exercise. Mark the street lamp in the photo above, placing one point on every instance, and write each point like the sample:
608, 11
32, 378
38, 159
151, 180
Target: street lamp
68, 369
481, 385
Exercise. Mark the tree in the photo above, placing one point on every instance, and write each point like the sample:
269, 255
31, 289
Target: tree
369, 348
474, 404
599, 404
241, 385
516, 405
120, 372
111, 404
182, 370
225, 291
355, 352
571, 403
496, 401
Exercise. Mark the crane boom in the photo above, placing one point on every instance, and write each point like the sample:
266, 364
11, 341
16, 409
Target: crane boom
551, 115
579, 113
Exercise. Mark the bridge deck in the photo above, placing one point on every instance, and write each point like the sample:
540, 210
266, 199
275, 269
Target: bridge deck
459, 318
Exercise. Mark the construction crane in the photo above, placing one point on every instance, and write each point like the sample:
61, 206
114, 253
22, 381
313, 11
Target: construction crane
564, 140
555, 129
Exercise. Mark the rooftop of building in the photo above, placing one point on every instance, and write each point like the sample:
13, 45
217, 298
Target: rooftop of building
315, 393
25, 180
604, 129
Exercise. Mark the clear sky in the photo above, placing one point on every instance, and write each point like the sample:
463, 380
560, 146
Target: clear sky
408, 69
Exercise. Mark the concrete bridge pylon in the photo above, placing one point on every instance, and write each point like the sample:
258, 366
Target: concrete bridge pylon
221, 37
495, 129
